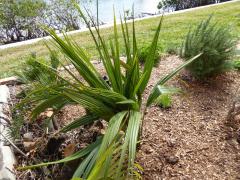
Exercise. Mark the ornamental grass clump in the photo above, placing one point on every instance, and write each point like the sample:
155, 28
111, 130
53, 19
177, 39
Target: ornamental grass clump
216, 43
119, 102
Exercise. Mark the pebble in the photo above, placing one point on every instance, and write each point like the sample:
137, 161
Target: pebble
28, 136
171, 142
49, 113
172, 159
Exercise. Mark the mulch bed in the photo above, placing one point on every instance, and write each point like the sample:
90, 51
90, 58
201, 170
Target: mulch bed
190, 140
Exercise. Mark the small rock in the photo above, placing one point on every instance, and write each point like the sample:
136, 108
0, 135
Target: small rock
49, 113
149, 150
172, 159
102, 131
171, 142
28, 136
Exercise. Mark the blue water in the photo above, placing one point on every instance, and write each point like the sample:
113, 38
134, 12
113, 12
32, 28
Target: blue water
106, 7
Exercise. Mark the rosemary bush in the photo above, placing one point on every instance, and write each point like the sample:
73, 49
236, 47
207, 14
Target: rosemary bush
215, 42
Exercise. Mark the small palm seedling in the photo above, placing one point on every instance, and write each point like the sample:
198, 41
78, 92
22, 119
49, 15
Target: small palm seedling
35, 70
34, 75
143, 54
215, 42
164, 100
112, 155
236, 64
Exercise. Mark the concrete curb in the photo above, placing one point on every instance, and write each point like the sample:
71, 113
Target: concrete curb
7, 157
32, 41
9, 81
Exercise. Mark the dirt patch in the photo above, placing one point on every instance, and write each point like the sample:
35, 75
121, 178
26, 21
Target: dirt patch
42, 145
189, 140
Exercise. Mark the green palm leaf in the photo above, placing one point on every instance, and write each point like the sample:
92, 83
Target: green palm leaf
87, 119
129, 145
150, 59
155, 92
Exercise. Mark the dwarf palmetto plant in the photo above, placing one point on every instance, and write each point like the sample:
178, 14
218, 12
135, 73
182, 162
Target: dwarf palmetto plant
35, 71
112, 155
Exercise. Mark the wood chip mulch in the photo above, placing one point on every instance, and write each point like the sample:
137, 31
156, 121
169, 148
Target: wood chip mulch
190, 140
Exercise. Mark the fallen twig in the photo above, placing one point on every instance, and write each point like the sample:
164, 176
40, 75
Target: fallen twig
197, 150
4, 103
10, 171
19, 150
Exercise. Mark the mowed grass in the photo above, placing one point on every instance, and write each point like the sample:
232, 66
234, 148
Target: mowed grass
174, 30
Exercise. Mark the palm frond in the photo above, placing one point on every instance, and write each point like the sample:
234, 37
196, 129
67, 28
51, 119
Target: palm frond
80, 60
155, 91
87, 119
149, 64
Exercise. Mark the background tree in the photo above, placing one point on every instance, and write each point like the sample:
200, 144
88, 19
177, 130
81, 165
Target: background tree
63, 16
185, 4
19, 19
22, 19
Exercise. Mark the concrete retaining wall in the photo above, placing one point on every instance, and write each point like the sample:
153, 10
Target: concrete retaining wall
7, 158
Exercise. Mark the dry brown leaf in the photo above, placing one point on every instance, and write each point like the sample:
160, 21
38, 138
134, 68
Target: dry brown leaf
69, 150
29, 145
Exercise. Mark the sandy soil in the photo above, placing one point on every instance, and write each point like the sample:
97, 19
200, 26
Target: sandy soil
190, 140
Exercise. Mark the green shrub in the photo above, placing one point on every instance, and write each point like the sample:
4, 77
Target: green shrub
164, 101
36, 70
215, 42
236, 64
143, 53
172, 50
16, 124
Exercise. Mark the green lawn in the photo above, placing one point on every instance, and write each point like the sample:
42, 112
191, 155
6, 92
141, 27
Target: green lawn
173, 32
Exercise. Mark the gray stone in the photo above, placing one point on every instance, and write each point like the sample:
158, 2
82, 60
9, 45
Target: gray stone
28, 136
172, 159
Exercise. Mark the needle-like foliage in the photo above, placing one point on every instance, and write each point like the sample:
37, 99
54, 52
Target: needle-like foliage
216, 43
119, 102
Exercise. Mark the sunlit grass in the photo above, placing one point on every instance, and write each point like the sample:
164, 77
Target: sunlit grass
175, 28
